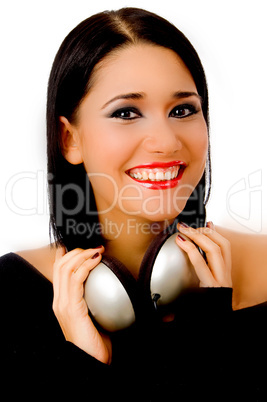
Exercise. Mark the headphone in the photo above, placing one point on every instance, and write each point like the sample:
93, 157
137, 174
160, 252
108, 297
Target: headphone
116, 299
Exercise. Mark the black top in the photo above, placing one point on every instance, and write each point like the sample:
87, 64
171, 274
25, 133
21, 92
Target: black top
207, 353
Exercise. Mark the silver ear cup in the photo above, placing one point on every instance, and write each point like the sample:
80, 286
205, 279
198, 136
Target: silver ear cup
172, 272
108, 300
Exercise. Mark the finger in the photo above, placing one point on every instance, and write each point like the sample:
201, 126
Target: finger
221, 241
210, 225
63, 259
59, 265
202, 270
225, 251
83, 270
79, 260
60, 252
61, 272
212, 250
75, 263
80, 275
73, 259
217, 249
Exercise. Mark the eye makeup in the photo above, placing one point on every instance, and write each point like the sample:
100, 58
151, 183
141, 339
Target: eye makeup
184, 110
126, 113
179, 112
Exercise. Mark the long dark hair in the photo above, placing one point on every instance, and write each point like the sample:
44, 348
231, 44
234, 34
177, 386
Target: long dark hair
73, 214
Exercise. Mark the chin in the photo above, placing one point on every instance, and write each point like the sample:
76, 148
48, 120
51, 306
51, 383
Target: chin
167, 211
162, 216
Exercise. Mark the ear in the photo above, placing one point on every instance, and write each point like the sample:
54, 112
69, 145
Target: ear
69, 142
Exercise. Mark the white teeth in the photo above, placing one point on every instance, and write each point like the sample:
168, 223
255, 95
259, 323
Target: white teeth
144, 175
168, 175
151, 176
160, 176
156, 174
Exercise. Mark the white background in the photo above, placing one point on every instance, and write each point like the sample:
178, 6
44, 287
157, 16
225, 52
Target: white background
230, 37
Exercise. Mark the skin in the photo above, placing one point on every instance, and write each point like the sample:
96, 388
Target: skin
154, 133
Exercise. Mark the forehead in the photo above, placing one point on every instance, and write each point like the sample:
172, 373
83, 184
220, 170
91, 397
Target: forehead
141, 66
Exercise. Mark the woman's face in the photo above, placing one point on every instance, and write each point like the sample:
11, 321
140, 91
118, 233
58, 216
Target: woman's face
141, 134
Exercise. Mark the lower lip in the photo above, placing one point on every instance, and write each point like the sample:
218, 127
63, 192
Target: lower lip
161, 185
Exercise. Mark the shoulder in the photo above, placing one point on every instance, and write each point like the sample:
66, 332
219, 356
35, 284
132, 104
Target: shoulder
23, 287
249, 267
40, 260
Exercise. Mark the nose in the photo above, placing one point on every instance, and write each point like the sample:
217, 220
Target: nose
162, 139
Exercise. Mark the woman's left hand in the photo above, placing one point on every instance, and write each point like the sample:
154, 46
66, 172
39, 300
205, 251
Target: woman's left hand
216, 270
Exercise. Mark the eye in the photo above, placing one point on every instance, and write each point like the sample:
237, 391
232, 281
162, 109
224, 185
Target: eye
182, 111
126, 113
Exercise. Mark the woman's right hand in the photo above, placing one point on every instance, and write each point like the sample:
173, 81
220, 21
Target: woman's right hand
69, 274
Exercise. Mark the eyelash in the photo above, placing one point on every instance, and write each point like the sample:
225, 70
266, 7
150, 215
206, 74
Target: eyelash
118, 114
191, 110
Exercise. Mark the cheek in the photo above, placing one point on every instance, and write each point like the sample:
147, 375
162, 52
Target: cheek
107, 149
99, 150
198, 144
203, 148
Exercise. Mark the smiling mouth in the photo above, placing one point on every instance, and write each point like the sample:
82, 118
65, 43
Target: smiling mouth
158, 175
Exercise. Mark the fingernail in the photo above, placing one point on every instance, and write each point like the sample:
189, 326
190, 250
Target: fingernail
99, 246
95, 256
210, 225
179, 237
184, 225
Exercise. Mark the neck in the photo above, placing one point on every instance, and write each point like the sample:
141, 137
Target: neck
129, 239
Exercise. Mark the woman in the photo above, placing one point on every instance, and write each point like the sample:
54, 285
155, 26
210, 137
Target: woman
128, 108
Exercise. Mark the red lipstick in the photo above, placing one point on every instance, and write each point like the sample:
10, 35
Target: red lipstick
154, 165
158, 175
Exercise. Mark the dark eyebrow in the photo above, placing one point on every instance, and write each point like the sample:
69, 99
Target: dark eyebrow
141, 95
133, 96
186, 94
